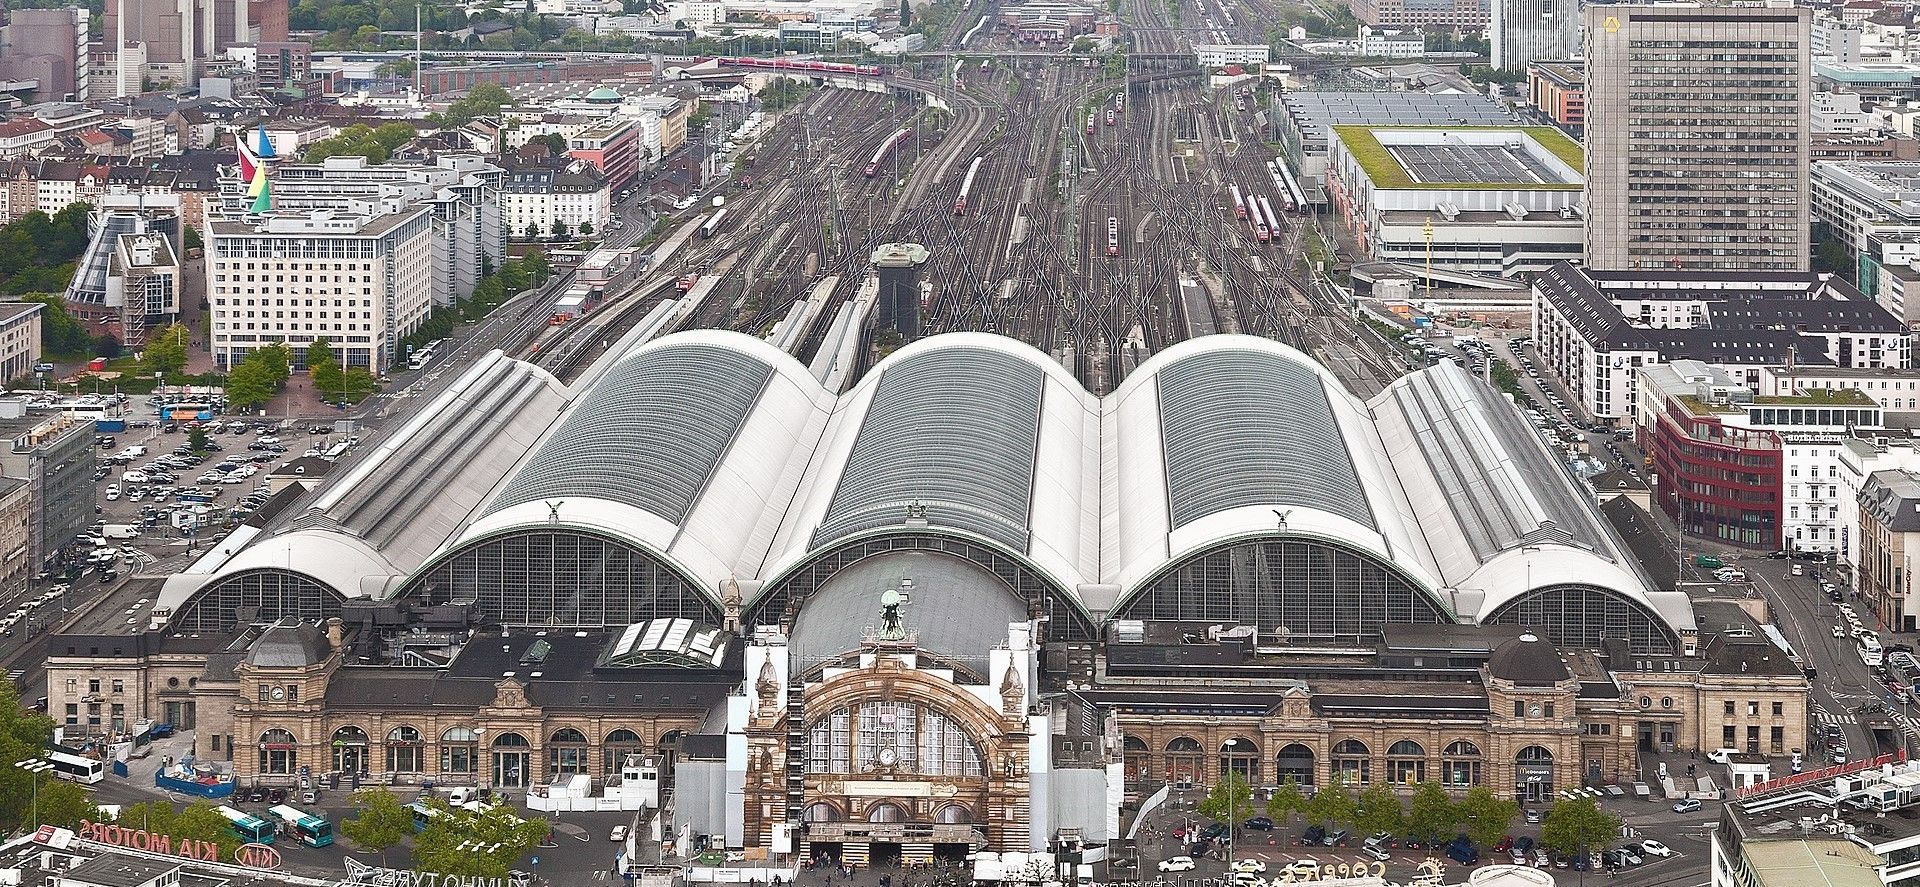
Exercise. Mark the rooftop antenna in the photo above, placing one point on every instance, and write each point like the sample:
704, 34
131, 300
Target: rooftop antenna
417, 97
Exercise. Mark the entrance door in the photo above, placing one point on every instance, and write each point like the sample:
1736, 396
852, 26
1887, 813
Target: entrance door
510, 769
883, 854
824, 852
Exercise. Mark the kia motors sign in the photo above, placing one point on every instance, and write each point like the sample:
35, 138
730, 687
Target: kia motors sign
151, 842
257, 856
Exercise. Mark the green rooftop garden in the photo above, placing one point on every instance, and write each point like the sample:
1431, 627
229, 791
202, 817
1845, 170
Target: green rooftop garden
1386, 172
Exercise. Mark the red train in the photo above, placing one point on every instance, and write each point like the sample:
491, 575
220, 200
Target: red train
808, 66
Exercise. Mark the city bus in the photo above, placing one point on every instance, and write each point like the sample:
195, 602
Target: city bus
423, 813
75, 768
246, 826
311, 830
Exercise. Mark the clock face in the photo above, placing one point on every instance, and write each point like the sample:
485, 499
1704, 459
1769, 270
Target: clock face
279, 693
1534, 711
887, 757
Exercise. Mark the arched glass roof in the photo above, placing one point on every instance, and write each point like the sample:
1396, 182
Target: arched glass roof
649, 434
952, 431
1243, 427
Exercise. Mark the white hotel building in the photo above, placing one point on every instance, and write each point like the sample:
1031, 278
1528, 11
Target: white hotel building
361, 281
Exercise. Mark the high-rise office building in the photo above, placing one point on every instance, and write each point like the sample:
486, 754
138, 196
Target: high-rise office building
1531, 30
1697, 137
48, 45
179, 37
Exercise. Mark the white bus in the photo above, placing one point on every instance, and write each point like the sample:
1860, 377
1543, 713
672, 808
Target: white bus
75, 768
1870, 652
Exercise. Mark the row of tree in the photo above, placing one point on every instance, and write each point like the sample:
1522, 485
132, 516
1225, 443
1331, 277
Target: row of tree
448, 842
361, 140
559, 229
496, 286
335, 383
1430, 815
259, 376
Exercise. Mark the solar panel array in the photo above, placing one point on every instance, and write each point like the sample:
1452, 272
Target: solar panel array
1487, 164
1317, 112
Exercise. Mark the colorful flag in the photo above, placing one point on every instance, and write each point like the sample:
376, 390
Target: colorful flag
263, 203
265, 150
258, 184
247, 163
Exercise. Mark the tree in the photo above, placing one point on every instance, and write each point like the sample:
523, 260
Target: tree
318, 353
378, 822
24, 735
559, 228
357, 385
1377, 810
249, 386
191, 238
166, 352
1285, 801
555, 142
61, 334
197, 439
1431, 816
906, 14
63, 803
201, 820
533, 230
445, 845
586, 228
1230, 800
1331, 805
1483, 816
1578, 826
329, 379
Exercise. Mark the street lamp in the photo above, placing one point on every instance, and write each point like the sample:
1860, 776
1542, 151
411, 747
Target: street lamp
34, 768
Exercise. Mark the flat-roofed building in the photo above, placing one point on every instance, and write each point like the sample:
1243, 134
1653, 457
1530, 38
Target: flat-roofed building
362, 282
1499, 201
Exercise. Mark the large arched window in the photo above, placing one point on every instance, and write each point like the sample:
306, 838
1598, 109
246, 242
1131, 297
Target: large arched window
886, 811
905, 737
259, 596
1584, 617
1311, 589
1353, 762
1241, 757
1406, 763
1460, 765
279, 753
821, 811
403, 750
1295, 762
618, 746
563, 577
1136, 757
1186, 760
1065, 620
567, 753
350, 750
459, 751
953, 814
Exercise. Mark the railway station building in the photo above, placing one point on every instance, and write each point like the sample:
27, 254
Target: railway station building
964, 603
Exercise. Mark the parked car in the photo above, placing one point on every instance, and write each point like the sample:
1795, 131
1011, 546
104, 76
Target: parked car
1251, 865
1177, 864
618, 834
1655, 848
1301, 869
1213, 831
1259, 824
1690, 805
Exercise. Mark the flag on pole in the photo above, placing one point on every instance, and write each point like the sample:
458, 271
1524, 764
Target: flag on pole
263, 202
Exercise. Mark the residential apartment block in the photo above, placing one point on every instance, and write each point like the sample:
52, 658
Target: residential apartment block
19, 339
535, 197
1469, 15
1596, 329
1698, 146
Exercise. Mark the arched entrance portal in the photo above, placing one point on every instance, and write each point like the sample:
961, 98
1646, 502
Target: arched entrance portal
512, 761
1533, 775
1294, 762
